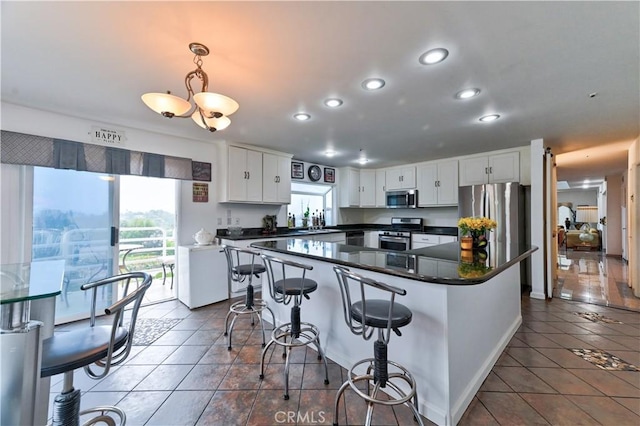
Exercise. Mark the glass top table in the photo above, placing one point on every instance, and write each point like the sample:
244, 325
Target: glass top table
21, 282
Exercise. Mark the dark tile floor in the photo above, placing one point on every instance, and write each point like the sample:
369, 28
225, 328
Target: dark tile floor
188, 376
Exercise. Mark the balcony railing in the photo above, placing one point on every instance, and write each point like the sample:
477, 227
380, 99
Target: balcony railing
89, 255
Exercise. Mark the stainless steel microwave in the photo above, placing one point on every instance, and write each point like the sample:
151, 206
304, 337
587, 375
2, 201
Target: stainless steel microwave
407, 199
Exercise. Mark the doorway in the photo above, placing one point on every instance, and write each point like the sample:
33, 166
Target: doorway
148, 231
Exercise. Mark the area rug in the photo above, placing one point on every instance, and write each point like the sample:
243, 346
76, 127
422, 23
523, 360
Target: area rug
604, 360
148, 330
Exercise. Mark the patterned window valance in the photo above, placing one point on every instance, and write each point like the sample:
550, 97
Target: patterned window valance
21, 148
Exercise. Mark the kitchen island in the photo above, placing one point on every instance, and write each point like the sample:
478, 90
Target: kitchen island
466, 308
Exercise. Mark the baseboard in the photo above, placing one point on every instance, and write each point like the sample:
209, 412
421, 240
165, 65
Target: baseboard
537, 295
616, 256
460, 406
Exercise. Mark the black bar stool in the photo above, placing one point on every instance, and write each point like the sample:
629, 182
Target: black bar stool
295, 333
239, 272
363, 315
102, 345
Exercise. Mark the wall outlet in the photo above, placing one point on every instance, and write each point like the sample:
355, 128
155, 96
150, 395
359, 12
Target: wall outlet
228, 221
237, 221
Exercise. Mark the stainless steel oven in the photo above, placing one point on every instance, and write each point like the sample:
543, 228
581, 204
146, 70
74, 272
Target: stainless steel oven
398, 238
399, 241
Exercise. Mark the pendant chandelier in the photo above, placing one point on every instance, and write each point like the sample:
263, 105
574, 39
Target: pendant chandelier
211, 110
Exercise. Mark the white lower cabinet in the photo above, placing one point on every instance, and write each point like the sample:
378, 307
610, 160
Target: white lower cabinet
202, 275
371, 238
419, 241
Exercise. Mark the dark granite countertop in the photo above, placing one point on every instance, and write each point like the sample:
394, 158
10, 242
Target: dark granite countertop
258, 233
442, 264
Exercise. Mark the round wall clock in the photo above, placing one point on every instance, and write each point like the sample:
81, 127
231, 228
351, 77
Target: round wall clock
314, 173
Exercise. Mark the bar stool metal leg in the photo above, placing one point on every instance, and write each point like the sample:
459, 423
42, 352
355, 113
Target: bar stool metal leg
363, 317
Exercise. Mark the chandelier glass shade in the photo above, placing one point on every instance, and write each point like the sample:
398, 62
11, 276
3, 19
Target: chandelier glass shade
209, 110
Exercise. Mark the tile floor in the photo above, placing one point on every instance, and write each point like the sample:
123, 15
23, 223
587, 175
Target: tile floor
589, 276
188, 377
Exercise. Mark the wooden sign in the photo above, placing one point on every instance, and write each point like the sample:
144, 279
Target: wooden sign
200, 192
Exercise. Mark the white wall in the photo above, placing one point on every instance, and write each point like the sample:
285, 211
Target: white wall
437, 216
192, 216
537, 220
633, 215
614, 222
586, 197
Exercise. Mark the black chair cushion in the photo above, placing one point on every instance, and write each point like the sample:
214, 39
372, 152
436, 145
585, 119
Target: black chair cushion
293, 286
378, 314
246, 269
66, 351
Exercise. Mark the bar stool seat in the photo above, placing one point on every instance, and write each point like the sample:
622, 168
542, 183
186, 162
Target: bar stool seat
293, 286
363, 317
378, 314
95, 348
240, 272
296, 333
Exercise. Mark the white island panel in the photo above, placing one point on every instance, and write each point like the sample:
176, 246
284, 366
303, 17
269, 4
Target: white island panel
453, 341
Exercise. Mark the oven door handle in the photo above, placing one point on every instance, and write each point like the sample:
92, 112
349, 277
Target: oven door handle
388, 238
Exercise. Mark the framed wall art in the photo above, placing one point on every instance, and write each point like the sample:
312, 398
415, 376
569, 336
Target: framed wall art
297, 170
201, 171
329, 175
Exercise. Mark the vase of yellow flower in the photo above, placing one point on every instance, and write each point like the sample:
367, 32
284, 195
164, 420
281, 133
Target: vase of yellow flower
474, 229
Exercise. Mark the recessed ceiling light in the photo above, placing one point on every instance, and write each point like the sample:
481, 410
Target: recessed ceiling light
467, 93
329, 153
433, 56
489, 118
362, 161
373, 83
302, 116
333, 102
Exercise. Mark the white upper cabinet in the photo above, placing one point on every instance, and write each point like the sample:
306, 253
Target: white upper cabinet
245, 175
367, 188
349, 187
276, 185
401, 178
438, 184
497, 168
253, 176
381, 188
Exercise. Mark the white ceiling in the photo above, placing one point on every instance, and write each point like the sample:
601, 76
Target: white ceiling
535, 62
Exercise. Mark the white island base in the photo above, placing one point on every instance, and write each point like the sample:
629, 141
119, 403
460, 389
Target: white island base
456, 335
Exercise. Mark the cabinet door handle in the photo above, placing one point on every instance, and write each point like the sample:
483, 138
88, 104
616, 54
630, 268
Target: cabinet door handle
245, 174
486, 170
491, 169
248, 175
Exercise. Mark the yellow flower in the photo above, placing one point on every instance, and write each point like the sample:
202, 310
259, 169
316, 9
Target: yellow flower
473, 225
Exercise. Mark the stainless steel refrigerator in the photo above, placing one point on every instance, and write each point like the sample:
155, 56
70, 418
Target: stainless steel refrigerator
507, 204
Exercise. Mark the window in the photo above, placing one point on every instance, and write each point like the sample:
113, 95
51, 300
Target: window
317, 198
